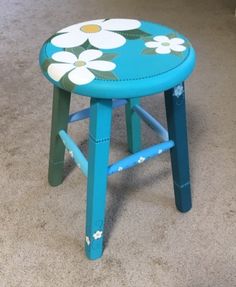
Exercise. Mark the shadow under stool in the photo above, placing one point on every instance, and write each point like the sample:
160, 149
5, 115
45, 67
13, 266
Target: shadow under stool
115, 62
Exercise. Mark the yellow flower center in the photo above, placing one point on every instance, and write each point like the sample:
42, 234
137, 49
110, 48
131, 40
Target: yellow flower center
92, 28
165, 44
80, 63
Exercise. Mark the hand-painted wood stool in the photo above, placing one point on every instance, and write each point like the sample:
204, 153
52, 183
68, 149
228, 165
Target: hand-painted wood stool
115, 62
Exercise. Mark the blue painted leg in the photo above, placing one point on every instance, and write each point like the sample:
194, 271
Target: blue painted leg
98, 157
133, 126
60, 116
176, 120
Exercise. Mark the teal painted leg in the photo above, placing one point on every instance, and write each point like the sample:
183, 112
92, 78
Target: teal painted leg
176, 119
98, 158
133, 126
60, 115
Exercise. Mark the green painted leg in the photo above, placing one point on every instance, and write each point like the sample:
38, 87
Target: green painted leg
176, 119
133, 126
60, 115
98, 159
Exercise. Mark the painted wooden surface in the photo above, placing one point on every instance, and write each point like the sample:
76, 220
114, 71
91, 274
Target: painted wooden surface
84, 114
133, 126
176, 120
98, 158
152, 122
75, 152
60, 113
140, 157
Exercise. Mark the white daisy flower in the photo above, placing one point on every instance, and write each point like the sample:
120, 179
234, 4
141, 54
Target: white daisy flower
87, 240
178, 91
97, 235
164, 45
141, 159
100, 33
78, 67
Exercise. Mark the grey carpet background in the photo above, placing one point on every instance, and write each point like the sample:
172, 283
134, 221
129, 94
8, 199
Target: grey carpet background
148, 242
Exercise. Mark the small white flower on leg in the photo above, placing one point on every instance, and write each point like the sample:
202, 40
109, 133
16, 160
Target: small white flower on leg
178, 91
141, 159
97, 235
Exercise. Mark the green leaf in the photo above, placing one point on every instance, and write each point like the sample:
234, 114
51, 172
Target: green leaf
187, 44
75, 50
178, 54
46, 64
133, 34
107, 57
104, 75
87, 46
148, 39
66, 83
149, 51
171, 35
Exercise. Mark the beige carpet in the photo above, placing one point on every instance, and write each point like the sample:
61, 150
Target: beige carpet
148, 242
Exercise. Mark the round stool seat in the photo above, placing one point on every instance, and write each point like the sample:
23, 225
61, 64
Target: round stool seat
117, 58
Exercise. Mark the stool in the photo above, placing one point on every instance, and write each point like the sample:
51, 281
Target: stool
115, 62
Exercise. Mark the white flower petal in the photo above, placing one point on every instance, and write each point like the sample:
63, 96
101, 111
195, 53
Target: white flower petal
106, 40
81, 76
163, 50
87, 240
152, 44
101, 65
64, 57
121, 24
69, 40
90, 55
161, 39
177, 41
58, 70
77, 26
178, 48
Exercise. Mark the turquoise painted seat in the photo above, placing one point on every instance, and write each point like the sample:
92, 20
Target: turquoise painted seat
115, 62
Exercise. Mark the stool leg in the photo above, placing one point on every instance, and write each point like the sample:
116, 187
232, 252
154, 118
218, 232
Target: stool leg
133, 126
176, 120
98, 158
60, 115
